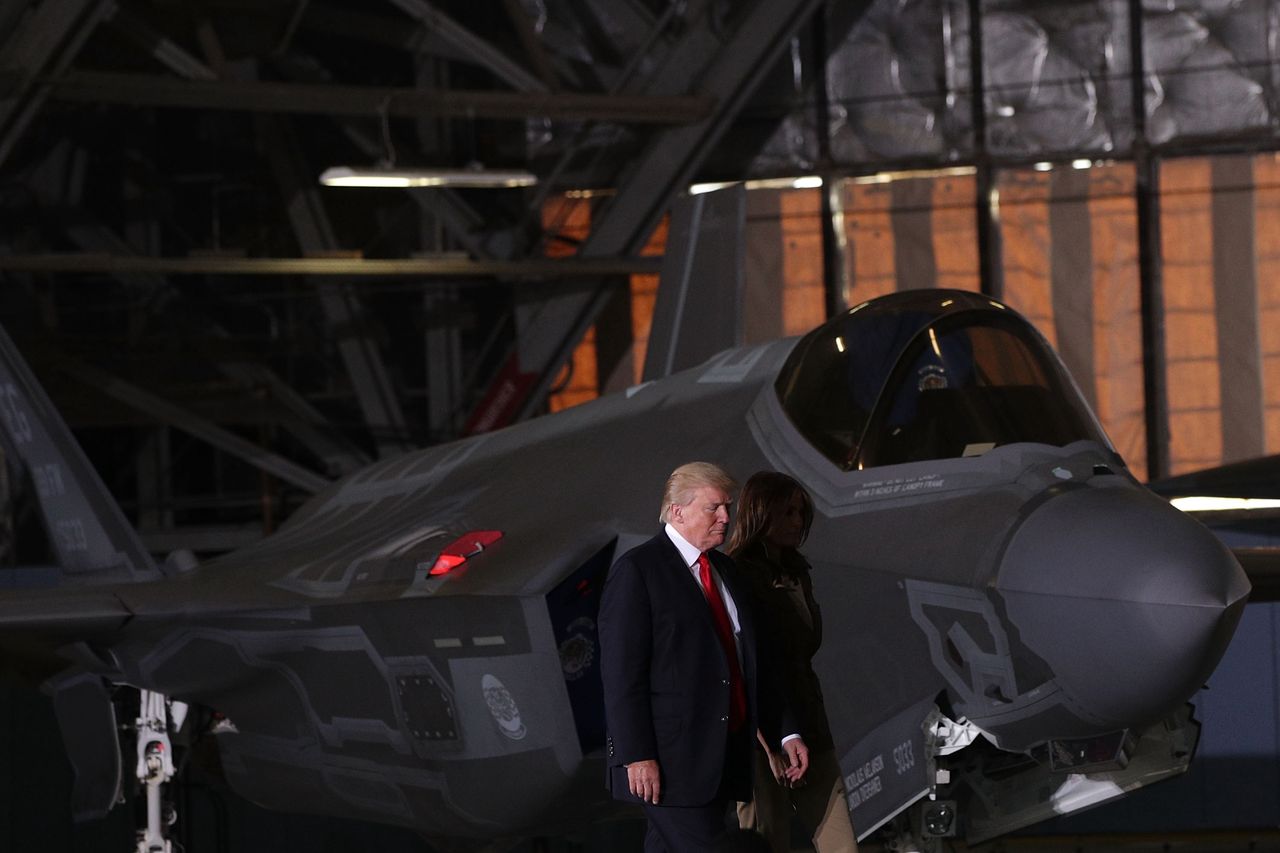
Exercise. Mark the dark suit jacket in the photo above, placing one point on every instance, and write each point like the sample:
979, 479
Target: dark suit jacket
666, 680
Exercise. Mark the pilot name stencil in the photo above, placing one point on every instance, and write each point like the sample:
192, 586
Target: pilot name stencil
900, 485
864, 782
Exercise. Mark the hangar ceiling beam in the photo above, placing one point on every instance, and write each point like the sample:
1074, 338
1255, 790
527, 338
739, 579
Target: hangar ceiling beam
348, 321
551, 330
180, 418
478, 49
132, 89
111, 257
39, 49
161, 48
464, 224
304, 421
132, 270
532, 44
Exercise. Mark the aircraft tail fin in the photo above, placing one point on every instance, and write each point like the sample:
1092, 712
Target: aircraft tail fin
699, 308
90, 536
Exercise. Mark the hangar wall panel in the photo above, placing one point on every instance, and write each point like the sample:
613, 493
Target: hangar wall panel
1220, 218
955, 232
1069, 241
906, 233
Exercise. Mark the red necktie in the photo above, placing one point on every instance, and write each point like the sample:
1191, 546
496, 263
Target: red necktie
724, 628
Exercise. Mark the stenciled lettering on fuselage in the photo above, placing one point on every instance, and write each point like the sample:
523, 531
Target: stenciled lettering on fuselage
864, 782
899, 486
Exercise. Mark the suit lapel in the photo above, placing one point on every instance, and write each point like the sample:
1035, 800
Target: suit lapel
687, 588
746, 625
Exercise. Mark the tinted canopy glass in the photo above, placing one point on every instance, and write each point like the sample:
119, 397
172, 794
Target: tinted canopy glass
928, 375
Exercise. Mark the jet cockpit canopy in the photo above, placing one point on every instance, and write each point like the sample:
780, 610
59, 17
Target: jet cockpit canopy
929, 374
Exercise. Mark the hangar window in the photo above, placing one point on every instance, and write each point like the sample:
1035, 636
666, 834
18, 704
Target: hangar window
904, 385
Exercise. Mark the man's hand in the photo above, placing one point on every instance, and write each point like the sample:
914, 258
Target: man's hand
797, 760
643, 777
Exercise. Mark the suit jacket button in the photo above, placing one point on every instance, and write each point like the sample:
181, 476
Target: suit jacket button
724, 719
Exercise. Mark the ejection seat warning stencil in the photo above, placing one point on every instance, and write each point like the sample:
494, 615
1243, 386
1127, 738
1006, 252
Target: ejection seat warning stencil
887, 770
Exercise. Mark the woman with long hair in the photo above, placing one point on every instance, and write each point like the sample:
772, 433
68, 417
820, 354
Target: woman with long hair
773, 520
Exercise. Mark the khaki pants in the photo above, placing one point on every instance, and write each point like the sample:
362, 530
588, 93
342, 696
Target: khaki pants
819, 804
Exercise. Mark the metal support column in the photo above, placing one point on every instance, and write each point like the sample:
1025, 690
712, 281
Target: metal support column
832, 256
1147, 203
987, 204
480, 50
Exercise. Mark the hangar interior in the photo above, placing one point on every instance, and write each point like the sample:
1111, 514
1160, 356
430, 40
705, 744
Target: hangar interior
226, 335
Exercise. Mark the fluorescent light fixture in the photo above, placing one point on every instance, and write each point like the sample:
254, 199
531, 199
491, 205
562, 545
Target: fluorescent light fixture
1043, 166
804, 182
1217, 504
698, 189
888, 177
1082, 164
347, 176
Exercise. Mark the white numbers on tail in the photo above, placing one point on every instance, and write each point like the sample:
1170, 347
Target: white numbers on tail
15, 419
48, 480
70, 533
903, 757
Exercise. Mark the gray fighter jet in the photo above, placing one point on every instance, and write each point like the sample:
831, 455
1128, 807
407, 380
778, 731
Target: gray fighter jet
1014, 623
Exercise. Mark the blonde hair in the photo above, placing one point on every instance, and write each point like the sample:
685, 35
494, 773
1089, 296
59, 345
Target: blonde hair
688, 478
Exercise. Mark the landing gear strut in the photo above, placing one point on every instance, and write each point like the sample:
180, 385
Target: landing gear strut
157, 717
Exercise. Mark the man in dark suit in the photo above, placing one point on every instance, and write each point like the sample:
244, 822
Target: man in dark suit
684, 689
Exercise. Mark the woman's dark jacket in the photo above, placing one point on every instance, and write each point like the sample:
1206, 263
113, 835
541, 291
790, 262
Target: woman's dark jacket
791, 622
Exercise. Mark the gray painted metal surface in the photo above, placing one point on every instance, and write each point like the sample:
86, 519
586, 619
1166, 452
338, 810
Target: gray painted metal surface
699, 309
992, 565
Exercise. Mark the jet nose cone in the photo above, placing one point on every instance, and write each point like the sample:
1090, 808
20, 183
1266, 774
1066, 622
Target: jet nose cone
1129, 602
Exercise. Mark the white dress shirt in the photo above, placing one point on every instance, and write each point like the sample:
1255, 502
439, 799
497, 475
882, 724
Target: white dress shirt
690, 555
